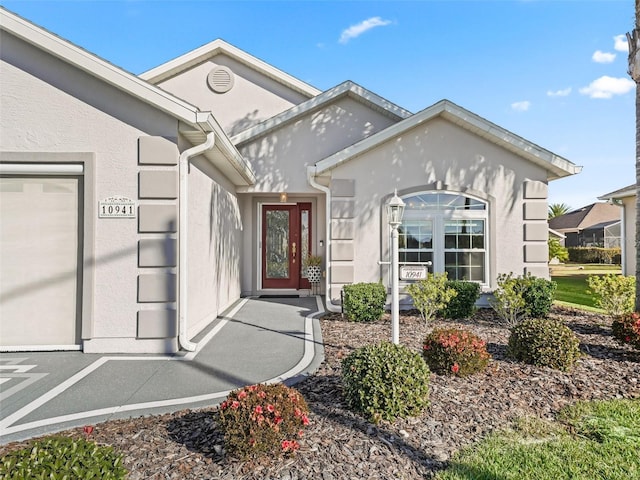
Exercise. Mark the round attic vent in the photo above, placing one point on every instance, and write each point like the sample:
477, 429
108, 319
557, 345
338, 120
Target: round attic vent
220, 79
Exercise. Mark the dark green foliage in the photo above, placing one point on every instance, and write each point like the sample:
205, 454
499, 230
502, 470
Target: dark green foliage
626, 329
594, 255
544, 343
385, 381
364, 302
261, 420
63, 458
463, 304
538, 296
453, 351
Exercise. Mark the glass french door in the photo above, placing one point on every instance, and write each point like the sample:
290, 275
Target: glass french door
286, 242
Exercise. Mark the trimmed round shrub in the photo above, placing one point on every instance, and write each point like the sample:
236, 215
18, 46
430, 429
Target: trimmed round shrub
364, 302
544, 343
261, 420
385, 381
626, 329
63, 457
454, 351
538, 296
462, 305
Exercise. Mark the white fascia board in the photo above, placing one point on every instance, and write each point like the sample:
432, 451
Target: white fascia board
556, 166
557, 233
97, 67
348, 88
629, 191
199, 55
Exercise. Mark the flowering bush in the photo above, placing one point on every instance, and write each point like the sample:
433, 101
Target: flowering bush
626, 329
385, 381
453, 351
263, 420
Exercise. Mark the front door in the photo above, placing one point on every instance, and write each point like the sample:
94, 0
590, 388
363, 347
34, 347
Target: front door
286, 241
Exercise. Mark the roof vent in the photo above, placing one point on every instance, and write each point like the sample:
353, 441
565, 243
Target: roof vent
220, 79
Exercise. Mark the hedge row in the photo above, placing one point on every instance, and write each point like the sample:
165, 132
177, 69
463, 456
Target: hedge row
595, 255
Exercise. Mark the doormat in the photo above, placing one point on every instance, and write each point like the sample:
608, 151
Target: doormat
279, 296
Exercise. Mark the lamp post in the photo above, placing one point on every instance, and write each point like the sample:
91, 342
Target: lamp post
395, 209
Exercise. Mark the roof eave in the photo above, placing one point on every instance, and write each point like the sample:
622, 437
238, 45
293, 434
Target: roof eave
216, 47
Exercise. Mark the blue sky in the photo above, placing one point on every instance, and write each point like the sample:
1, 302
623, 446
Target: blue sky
553, 72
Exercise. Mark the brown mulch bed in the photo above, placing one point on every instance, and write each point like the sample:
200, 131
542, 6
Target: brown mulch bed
340, 444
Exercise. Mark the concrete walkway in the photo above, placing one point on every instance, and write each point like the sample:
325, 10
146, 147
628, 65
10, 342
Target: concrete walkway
259, 340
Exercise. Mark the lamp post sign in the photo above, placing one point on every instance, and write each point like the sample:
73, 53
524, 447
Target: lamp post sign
413, 272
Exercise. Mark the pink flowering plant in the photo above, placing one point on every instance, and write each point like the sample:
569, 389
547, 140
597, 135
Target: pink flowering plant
261, 420
626, 329
453, 351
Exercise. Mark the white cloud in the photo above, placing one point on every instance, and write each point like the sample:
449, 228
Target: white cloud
521, 106
620, 43
559, 93
607, 87
356, 30
603, 57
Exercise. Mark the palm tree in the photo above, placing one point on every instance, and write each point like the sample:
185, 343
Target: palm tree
557, 209
634, 71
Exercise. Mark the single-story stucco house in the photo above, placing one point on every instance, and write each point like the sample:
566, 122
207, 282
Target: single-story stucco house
136, 209
625, 198
587, 226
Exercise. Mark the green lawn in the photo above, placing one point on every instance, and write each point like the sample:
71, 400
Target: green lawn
572, 283
592, 440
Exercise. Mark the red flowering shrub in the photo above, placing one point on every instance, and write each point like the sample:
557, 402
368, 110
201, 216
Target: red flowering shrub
452, 351
626, 329
263, 420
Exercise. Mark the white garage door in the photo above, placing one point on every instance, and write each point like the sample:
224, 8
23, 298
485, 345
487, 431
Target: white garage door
39, 277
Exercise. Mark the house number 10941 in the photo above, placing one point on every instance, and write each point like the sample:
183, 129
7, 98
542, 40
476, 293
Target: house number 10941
117, 207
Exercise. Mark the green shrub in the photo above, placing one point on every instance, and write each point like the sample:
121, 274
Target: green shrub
615, 294
263, 420
517, 298
63, 457
544, 343
431, 295
557, 251
364, 302
538, 296
463, 304
508, 300
594, 255
626, 329
453, 351
385, 381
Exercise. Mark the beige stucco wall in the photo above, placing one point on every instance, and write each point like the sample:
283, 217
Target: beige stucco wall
281, 157
215, 238
49, 107
439, 154
629, 220
252, 99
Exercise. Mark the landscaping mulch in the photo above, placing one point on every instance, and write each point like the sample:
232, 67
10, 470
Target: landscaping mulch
341, 445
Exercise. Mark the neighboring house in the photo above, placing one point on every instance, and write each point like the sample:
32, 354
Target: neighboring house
135, 210
585, 227
625, 201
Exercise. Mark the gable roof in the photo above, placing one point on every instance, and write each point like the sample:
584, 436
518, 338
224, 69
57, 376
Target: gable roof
194, 124
217, 47
628, 191
345, 89
585, 217
556, 166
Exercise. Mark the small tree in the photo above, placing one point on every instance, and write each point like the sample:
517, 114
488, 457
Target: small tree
557, 251
508, 300
431, 295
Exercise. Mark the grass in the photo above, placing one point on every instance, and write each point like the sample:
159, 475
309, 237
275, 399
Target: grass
595, 440
572, 284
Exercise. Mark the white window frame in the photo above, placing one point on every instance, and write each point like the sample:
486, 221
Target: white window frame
438, 217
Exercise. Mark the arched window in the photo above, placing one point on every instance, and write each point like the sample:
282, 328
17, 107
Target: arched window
446, 231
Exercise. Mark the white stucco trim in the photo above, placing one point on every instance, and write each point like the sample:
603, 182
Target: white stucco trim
625, 192
347, 88
217, 47
556, 166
